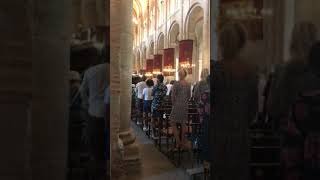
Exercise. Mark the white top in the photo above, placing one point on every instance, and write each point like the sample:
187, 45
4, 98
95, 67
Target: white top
93, 89
169, 86
139, 89
147, 93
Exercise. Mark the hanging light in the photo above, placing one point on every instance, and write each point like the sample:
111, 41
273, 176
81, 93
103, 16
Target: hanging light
156, 71
169, 69
148, 74
187, 64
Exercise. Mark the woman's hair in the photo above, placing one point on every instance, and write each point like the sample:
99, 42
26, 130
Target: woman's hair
303, 36
172, 81
232, 39
184, 71
314, 57
204, 74
149, 82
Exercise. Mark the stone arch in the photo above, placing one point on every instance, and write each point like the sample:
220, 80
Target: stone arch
194, 30
151, 49
160, 42
173, 34
194, 15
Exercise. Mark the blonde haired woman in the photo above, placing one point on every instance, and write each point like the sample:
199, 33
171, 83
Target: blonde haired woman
181, 92
234, 106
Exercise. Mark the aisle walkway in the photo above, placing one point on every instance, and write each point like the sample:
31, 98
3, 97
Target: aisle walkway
155, 166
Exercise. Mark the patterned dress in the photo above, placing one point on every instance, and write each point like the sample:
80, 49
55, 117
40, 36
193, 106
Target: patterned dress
159, 92
180, 97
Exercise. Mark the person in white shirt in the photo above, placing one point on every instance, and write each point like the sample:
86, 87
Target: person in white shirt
147, 100
92, 90
139, 90
169, 86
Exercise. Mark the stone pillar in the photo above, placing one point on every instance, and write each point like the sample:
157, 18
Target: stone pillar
214, 13
181, 27
206, 38
115, 27
166, 41
50, 98
130, 151
15, 89
273, 32
101, 15
289, 22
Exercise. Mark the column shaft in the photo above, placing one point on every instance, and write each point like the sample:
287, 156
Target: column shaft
206, 38
126, 134
51, 37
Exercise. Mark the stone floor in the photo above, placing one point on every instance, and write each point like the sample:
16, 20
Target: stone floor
154, 165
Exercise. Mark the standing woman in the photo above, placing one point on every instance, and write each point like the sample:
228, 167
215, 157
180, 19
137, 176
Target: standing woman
179, 115
235, 105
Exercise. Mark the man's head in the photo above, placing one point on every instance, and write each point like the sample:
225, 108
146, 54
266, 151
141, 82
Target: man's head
160, 78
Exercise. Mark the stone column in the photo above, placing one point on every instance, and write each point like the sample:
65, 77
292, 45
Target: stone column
50, 98
206, 38
181, 27
166, 42
15, 89
289, 22
214, 13
115, 27
101, 15
273, 32
130, 151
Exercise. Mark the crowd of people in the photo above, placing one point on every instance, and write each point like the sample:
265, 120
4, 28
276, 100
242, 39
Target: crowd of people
89, 121
291, 103
229, 101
